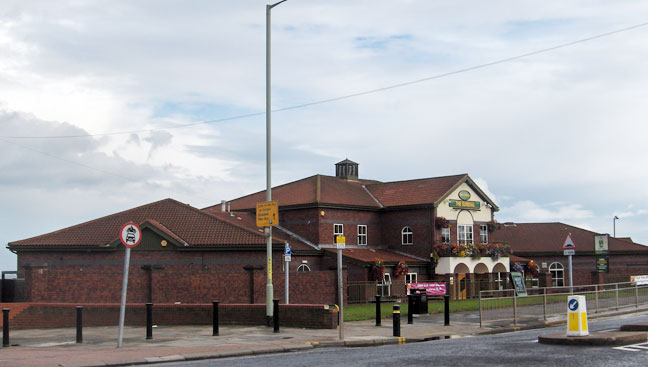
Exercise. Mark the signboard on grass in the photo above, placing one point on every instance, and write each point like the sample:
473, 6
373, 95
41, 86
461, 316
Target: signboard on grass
518, 283
431, 289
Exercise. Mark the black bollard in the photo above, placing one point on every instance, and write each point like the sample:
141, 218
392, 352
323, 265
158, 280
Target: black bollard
378, 314
149, 321
410, 309
215, 318
446, 310
79, 324
275, 314
396, 317
5, 327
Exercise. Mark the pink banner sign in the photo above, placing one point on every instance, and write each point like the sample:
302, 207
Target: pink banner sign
432, 289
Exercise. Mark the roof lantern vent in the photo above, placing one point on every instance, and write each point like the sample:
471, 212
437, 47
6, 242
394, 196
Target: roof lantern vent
346, 169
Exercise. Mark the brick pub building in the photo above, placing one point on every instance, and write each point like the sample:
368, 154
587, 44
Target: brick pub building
431, 229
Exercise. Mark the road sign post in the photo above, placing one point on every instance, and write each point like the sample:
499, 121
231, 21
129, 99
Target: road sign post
130, 235
267, 215
340, 242
287, 258
570, 249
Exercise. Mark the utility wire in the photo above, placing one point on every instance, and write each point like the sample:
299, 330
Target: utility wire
69, 161
131, 179
347, 96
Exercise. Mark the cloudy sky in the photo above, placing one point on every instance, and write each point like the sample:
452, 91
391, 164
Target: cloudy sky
100, 100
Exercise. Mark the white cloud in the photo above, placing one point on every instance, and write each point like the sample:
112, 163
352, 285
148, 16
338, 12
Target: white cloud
529, 211
556, 136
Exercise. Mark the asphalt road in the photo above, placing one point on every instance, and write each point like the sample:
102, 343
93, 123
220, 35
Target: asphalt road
510, 349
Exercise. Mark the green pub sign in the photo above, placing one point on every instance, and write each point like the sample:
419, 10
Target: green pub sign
463, 204
602, 264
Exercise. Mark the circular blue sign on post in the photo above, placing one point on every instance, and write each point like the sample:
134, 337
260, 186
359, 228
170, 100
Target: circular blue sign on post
573, 305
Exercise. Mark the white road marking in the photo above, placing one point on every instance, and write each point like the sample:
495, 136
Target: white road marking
633, 347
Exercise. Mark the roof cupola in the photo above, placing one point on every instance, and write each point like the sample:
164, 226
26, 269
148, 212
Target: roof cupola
346, 169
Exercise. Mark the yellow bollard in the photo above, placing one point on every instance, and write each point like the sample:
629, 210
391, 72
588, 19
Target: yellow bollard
577, 316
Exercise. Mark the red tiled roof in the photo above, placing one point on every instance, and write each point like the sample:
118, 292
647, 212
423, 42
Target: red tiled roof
550, 237
412, 192
369, 255
518, 259
332, 190
248, 220
176, 219
321, 189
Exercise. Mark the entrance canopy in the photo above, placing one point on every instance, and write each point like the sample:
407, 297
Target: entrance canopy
455, 264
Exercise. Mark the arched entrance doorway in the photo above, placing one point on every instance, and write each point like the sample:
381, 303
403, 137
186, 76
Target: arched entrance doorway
481, 278
461, 270
500, 276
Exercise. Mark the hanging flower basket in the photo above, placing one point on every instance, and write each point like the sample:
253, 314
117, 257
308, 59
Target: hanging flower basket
442, 222
400, 269
493, 226
377, 271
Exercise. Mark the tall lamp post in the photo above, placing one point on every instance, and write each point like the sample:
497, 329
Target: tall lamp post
269, 288
614, 226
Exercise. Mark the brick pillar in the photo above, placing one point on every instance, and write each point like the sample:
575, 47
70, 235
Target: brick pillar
35, 282
544, 279
597, 278
450, 288
28, 283
472, 287
251, 269
491, 282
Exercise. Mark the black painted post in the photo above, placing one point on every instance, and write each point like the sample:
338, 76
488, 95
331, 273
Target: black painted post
215, 318
275, 314
79, 324
446, 311
378, 314
149, 320
410, 309
5, 327
396, 320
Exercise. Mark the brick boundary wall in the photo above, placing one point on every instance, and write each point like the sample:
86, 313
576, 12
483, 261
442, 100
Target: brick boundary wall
59, 315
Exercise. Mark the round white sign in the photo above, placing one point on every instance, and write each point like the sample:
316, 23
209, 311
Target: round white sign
130, 234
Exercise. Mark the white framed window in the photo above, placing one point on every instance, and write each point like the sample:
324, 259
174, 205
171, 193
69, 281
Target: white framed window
557, 271
362, 234
407, 236
304, 268
445, 235
465, 233
411, 278
338, 230
483, 233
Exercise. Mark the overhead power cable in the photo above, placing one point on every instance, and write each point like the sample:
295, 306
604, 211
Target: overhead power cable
347, 96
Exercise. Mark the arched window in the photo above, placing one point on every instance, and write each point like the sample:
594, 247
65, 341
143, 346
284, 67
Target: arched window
303, 267
557, 271
408, 236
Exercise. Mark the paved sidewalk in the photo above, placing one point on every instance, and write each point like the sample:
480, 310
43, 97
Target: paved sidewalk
57, 347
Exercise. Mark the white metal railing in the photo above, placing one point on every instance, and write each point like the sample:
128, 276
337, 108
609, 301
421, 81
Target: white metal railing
542, 303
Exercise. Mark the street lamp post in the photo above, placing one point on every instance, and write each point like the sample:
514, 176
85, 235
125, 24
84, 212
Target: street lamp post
614, 226
269, 288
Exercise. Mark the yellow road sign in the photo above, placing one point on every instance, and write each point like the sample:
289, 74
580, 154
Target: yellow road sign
267, 214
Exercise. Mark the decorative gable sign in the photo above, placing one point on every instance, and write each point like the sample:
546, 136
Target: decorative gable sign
463, 204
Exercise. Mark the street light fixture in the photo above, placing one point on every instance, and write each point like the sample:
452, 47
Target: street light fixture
614, 226
269, 287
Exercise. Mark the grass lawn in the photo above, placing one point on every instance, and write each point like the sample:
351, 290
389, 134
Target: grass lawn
358, 312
